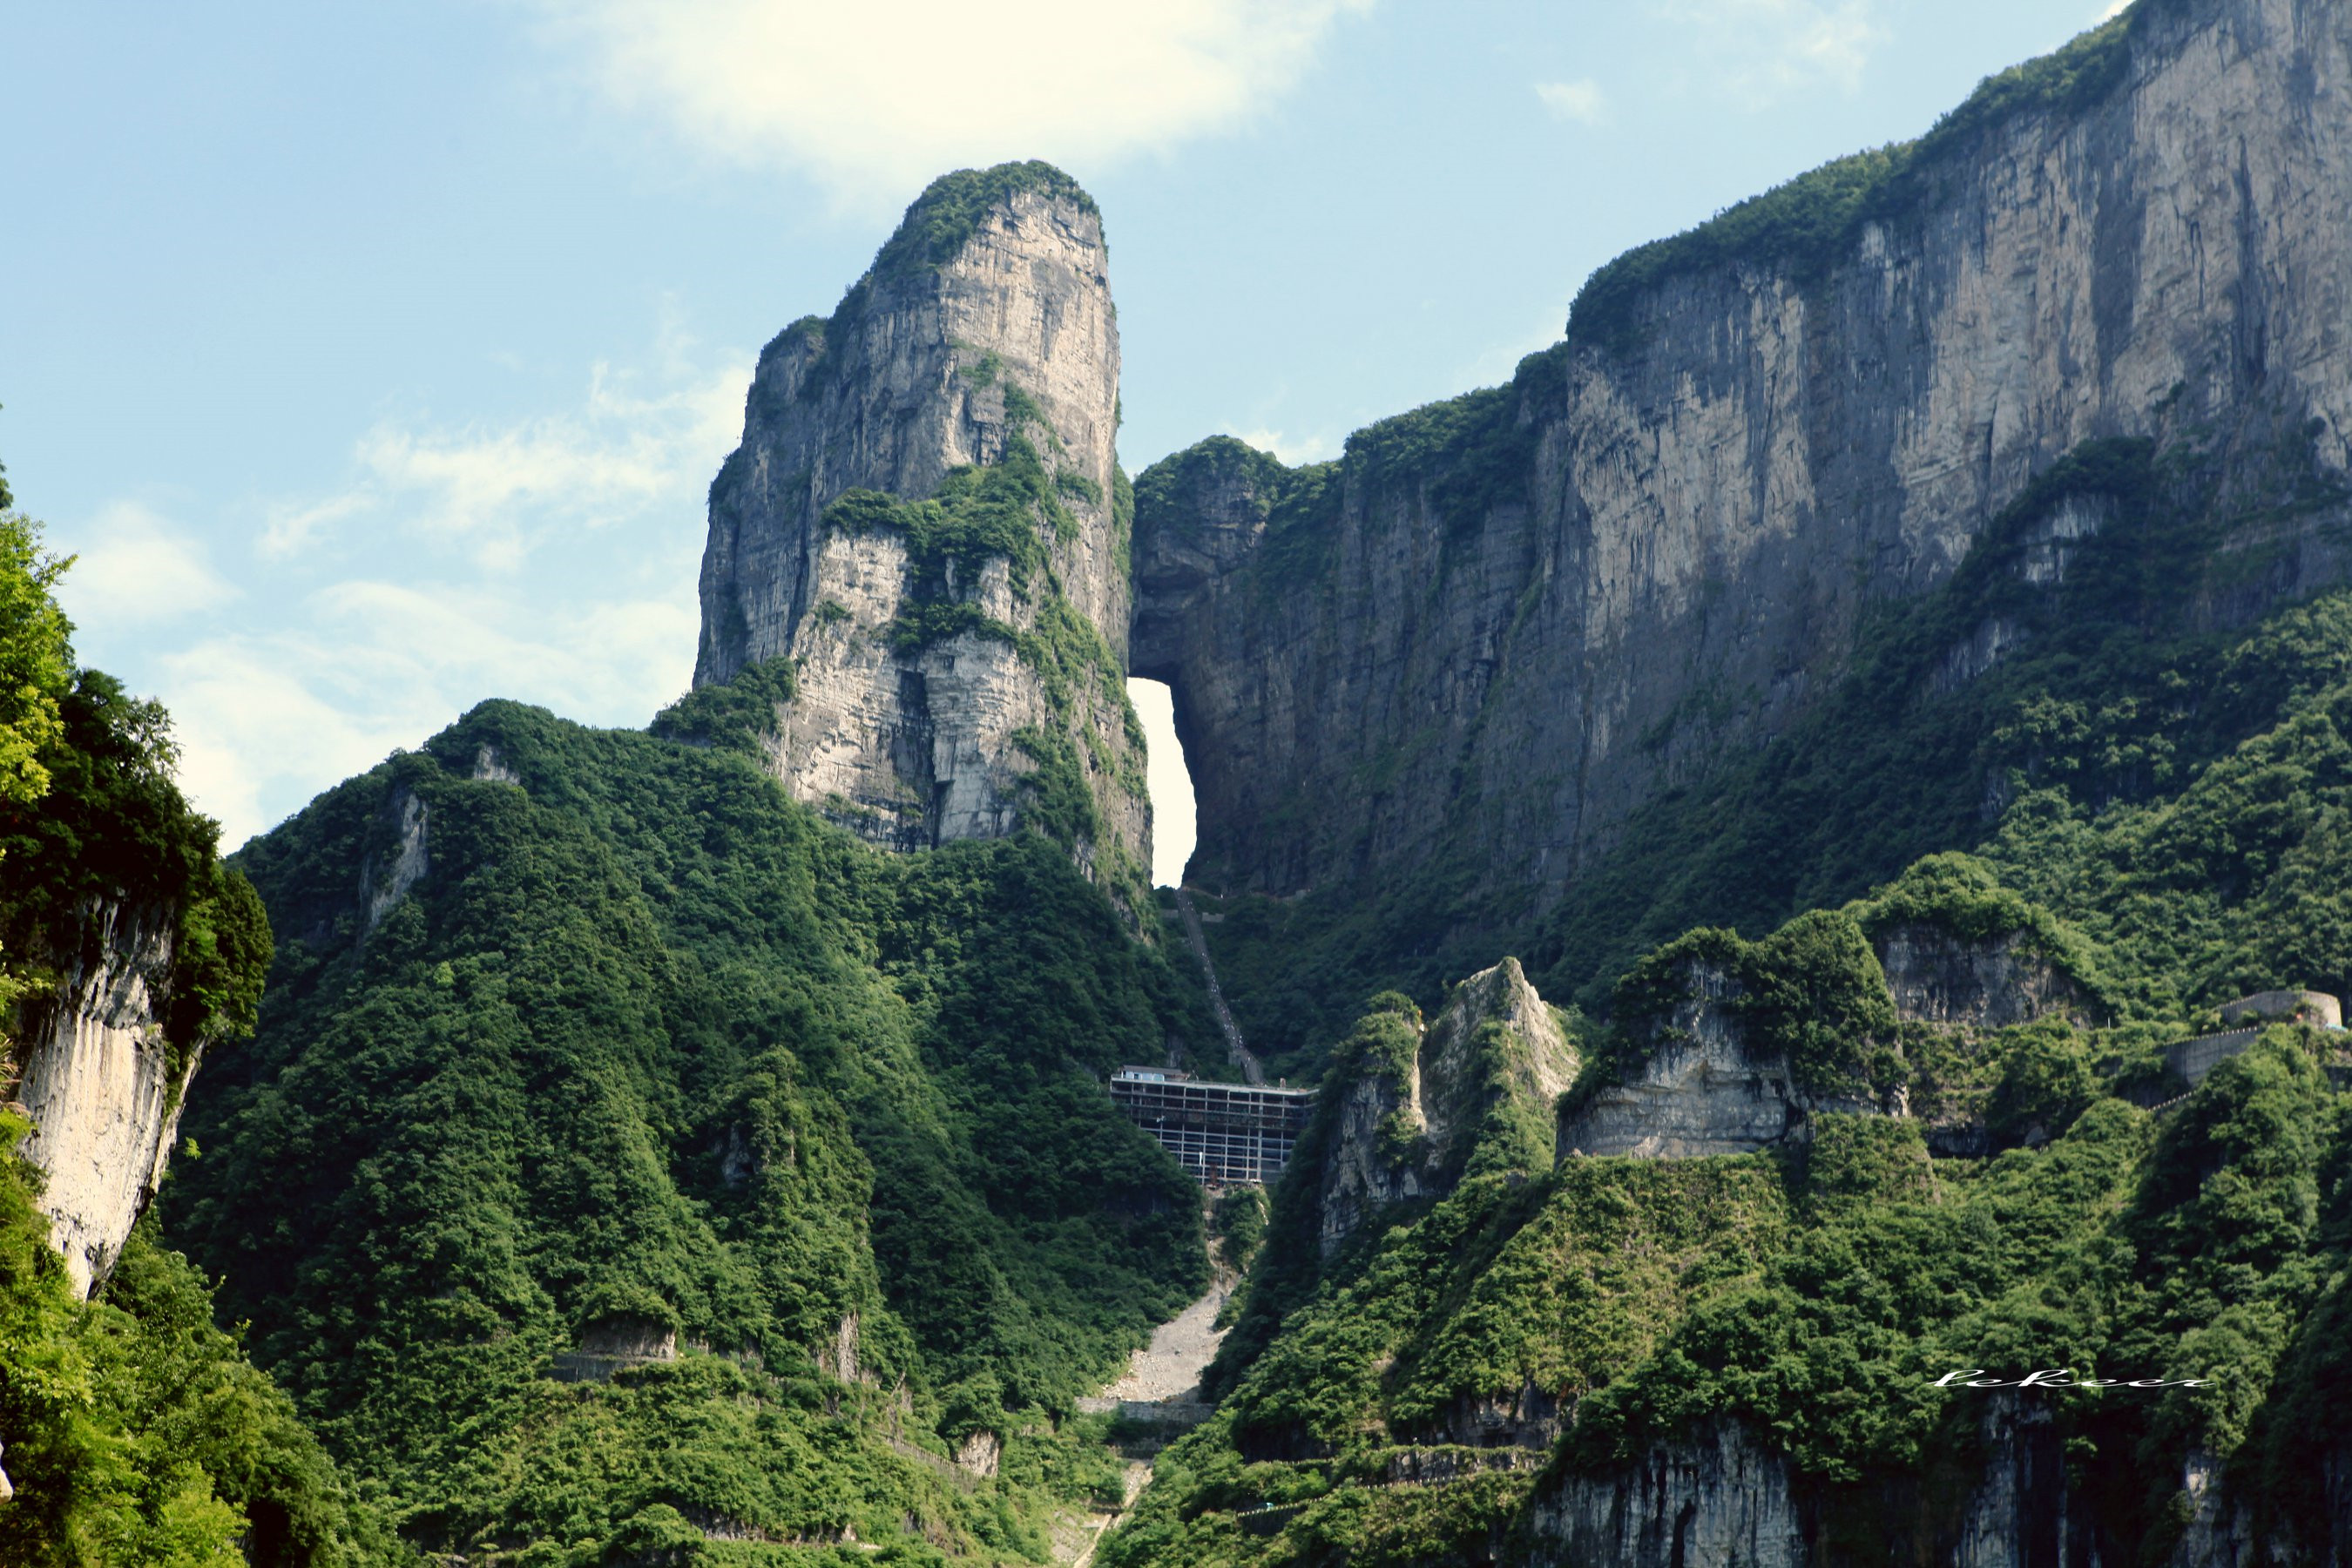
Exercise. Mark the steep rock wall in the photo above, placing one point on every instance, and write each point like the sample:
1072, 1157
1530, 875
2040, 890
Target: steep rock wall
1500, 623
1377, 1117
1721, 1500
1938, 978
1705, 1085
937, 675
2008, 1502
1703, 1089
102, 1088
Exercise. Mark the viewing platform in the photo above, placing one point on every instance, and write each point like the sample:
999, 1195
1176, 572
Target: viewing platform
1224, 1133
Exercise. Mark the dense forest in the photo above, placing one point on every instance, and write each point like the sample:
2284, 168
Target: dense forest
635, 1049
598, 1155
138, 1432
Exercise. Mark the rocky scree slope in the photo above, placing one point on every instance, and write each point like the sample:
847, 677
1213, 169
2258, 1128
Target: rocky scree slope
1468, 650
926, 516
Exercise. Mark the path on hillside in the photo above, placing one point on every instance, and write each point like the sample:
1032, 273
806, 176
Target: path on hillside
1075, 1540
1165, 1373
1251, 1072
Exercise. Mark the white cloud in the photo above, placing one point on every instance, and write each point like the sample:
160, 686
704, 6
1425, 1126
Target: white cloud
1766, 49
1581, 100
265, 717
2113, 11
135, 568
416, 615
292, 525
1292, 449
499, 492
892, 94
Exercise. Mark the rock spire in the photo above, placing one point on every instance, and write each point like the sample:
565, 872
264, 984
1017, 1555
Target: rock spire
927, 518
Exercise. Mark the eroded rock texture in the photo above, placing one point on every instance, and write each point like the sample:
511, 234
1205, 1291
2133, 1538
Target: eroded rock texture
1722, 1499
1499, 625
1936, 977
1704, 1088
103, 1086
941, 680
1486, 1074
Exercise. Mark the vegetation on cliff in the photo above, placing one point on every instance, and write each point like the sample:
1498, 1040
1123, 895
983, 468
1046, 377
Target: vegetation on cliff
2103, 746
649, 1051
949, 211
1803, 228
2131, 748
91, 818
137, 1432
2153, 799
1007, 511
1427, 1392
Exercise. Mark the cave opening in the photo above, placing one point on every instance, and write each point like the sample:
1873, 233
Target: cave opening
1173, 825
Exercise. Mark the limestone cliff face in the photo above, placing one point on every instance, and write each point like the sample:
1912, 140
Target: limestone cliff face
1377, 1117
103, 1086
1500, 623
1488, 1068
1936, 978
1706, 1086
1705, 1089
946, 674
1723, 1498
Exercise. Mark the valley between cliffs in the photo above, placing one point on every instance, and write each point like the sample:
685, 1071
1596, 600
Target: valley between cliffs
1744, 825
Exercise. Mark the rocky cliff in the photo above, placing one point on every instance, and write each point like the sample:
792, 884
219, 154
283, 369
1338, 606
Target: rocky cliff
104, 1085
1722, 1497
1721, 1500
1499, 624
925, 516
1481, 1081
1709, 1074
1704, 1088
1934, 977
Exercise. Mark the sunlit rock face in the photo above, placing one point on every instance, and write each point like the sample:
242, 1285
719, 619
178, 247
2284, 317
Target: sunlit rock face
1412, 1132
984, 329
1494, 629
101, 1086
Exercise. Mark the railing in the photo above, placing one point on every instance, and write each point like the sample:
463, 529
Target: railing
1218, 1132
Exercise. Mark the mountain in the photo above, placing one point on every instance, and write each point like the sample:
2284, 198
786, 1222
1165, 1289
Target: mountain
960, 668
1961, 497
1886, 675
1440, 695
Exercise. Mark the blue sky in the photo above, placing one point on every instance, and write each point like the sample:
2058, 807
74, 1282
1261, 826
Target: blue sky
375, 359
